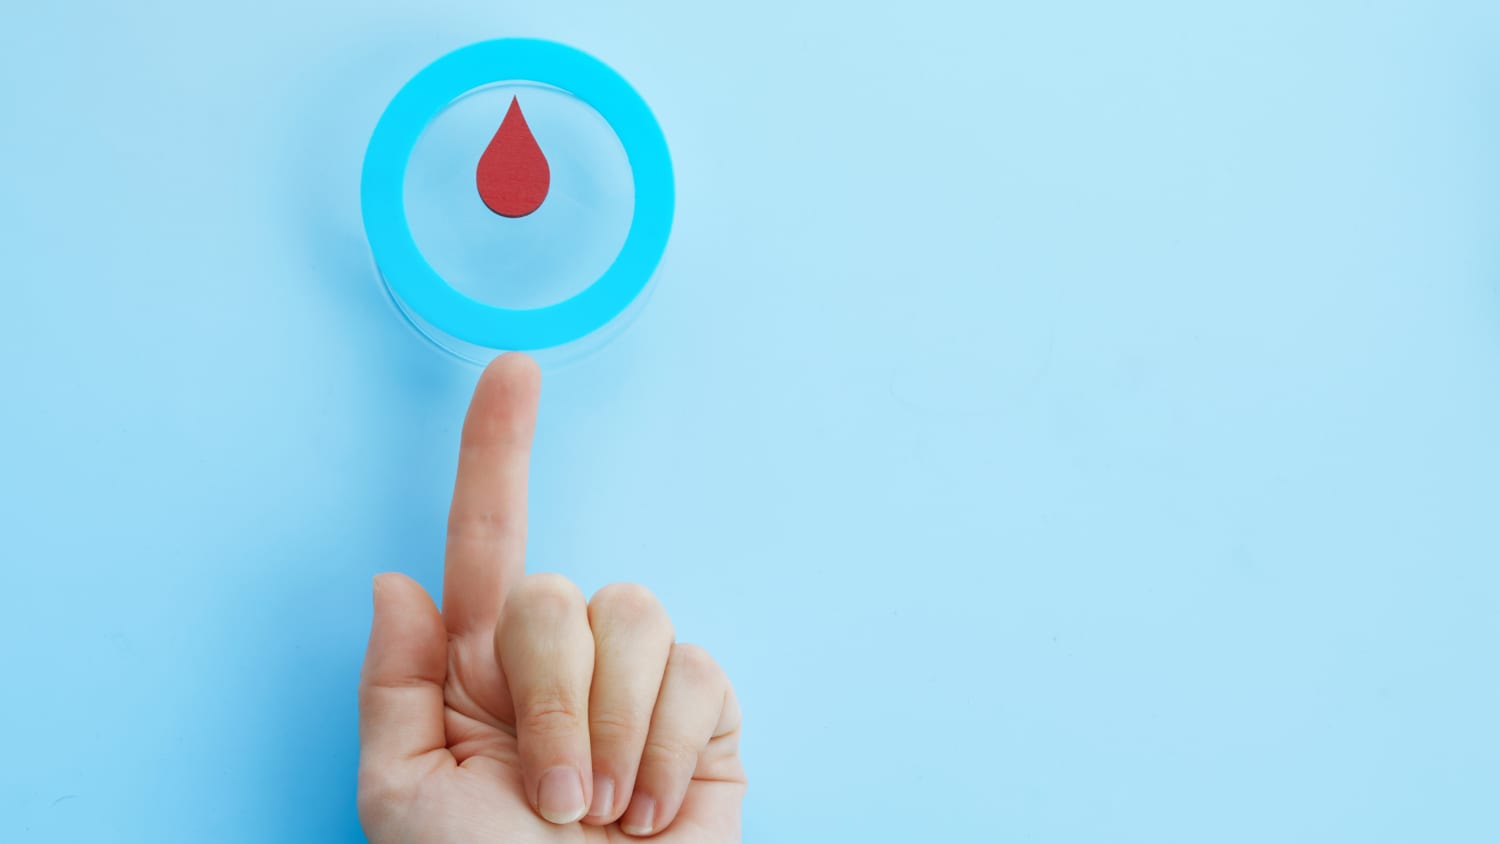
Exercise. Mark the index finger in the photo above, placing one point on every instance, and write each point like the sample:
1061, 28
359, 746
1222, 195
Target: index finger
486, 552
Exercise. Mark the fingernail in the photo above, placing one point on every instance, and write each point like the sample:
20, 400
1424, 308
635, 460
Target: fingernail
640, 817
604, 796
559, 795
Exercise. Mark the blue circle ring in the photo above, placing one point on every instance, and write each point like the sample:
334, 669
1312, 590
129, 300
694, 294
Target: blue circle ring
414, 281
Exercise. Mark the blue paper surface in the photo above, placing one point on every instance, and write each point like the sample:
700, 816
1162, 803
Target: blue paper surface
1066, 422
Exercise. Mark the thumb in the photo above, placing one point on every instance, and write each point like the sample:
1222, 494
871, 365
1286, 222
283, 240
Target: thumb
401, 687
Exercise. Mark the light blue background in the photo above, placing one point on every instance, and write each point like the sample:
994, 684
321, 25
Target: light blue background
1067, 422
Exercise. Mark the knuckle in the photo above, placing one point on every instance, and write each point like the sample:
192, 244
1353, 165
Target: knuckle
626, 598
547, 593
670, 754
617, 729
629, 605
550, 715
477, 526
694, 664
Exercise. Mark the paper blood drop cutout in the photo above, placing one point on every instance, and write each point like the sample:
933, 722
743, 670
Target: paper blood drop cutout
513, 176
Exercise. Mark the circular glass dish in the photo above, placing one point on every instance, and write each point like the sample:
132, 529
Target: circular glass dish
561, 280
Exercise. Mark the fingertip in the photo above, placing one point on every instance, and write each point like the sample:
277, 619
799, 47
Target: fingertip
560, 795
516, 370
384, 582
380, 588
641, 818
503, 409
404, 613
602, 804
393, 587
393, 578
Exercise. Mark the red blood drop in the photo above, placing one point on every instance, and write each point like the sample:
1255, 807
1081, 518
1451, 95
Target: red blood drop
513, 175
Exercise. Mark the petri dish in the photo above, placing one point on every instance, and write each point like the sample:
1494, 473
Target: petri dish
562, 272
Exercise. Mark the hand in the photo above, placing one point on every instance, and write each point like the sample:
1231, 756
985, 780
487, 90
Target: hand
521, 713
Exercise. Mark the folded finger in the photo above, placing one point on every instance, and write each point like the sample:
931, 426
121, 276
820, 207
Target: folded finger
547, 655
632, 641
689, 710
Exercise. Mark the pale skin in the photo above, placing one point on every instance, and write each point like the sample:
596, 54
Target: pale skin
523, 713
